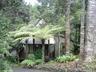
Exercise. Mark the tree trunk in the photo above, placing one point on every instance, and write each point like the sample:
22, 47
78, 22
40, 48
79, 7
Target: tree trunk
90, 31
82, 31
94, 21
59, 49
67, 31
33, 45
43, 51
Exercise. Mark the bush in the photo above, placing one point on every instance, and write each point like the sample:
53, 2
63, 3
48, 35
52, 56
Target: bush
28, 63
31, 57
38, 54
39, 61
31, 60
11, 59
4, 66
66, 58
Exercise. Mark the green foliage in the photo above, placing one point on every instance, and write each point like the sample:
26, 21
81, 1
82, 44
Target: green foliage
38, 54
38, 61
35, 56
10, 11
10, 19
28, 63
43, 33
4, 66
66, 58
4, 46
48, 31
31, 57
9, 16
11, 59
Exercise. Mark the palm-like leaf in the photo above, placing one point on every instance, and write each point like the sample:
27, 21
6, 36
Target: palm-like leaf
29, 32
48, 31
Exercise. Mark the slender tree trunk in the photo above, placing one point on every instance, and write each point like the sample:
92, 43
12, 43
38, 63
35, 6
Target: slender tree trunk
82, 31
43, 51
27, 48
67, 31
59, 44
33, 44
90, 31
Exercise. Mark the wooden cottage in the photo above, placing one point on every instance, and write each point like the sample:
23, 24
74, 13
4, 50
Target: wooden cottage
32, 45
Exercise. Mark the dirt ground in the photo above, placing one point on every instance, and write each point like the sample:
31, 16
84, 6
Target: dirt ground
27, 70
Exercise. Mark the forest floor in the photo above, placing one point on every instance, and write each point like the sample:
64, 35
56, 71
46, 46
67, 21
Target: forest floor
60, 67
52, 67
27, 70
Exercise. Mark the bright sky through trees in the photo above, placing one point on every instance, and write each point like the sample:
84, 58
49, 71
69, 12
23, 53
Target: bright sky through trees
32, 2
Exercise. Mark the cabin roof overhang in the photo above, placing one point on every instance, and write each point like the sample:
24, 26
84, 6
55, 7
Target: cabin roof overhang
38, 41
